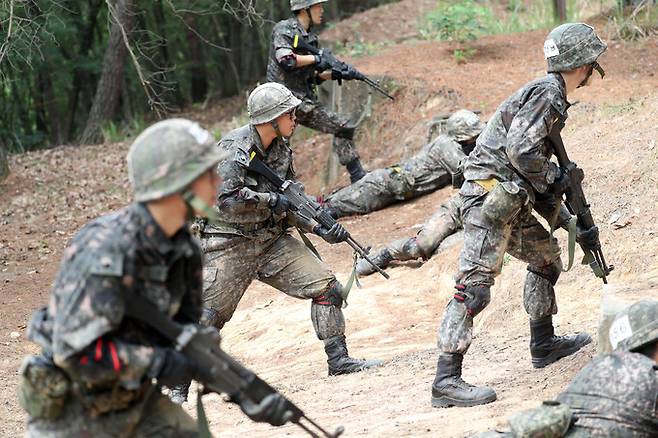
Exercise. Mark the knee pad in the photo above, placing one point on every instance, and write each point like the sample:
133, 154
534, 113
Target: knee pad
331, 296
549, 272
475, 297
346, 132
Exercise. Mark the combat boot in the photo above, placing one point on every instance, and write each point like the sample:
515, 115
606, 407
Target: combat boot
382, 259
178, 394
340, 362
546, 348
449, 389
355, 170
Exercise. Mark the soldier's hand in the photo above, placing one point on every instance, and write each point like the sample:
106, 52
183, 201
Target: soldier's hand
171, 367
336, 234
561, 183
347, 73
273, 409
279, 203
322, 63
588, 239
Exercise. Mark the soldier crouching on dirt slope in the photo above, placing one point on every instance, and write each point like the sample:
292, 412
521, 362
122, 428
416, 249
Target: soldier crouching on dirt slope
301, 73
94, 375
434, 167
251, 240
615, 395
507, 175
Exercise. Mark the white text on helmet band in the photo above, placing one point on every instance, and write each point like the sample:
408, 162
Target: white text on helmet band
200, 135
550, 49
620, 330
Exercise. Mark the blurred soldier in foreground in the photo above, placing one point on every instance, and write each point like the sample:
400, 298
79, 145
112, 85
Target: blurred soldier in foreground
301, 73
509, 173
615, 395
100, 370
434, 167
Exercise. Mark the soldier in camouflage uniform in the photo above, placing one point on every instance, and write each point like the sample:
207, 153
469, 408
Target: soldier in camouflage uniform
507, 175
95, 374
252, 240
434, 167
615, 395
301, 73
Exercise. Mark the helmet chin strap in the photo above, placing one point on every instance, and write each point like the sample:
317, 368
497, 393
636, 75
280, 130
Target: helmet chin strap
193, 203
310, 18
594, 66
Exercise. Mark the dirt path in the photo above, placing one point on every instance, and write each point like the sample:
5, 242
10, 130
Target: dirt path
612, 133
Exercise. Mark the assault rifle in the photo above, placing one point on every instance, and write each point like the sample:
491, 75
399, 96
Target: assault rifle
305, 206
219, 372
336, 64
576, 202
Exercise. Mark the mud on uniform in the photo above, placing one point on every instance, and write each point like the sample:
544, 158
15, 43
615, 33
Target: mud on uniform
423, 173
106, 358
250, 242
512, 153
302, 82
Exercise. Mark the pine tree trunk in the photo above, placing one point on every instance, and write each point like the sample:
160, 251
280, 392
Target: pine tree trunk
560, 10
4, 162
108, 89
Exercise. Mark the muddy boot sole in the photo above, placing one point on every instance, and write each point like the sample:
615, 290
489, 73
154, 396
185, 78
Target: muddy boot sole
448, 402
556, 355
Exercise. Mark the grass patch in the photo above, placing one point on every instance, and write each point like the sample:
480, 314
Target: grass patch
359, 48
631, 106
632, 24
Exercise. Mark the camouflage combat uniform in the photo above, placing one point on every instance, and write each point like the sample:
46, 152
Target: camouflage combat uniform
303, 82
423, 173
250, 242
512, 152
107, 358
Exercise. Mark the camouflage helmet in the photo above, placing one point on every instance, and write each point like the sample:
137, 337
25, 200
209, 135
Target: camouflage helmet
635, 327
463, 125
572, 45
268, 101
298, 5
167, 156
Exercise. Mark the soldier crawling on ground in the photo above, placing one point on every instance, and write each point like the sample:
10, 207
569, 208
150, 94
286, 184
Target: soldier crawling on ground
434, 167
615, 395
301, 73
251, 239
509, 173
95, 374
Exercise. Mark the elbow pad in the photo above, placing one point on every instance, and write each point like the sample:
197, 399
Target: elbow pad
288, 62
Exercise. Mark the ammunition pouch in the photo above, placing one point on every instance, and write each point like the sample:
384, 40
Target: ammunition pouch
504, 202
112, 399
550, 420
44, 389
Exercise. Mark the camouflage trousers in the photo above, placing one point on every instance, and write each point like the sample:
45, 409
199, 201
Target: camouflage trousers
481, 260
154, 417
316, 116
378, 189
445, 222
278, 260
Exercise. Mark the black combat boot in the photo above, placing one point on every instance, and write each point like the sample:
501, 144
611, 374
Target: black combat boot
340, 363
382, 259
546, 348
449, 389
178, 394
355, 170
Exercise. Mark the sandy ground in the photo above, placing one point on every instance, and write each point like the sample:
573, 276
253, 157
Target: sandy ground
612, 133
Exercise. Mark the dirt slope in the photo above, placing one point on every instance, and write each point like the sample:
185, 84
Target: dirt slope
612, 134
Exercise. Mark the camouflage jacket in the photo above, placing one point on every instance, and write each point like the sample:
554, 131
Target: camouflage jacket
83, 327
615, 395
428, 169
301, 81
513, 145
243, 200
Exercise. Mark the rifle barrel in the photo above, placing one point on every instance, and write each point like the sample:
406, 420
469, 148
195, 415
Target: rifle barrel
359, 249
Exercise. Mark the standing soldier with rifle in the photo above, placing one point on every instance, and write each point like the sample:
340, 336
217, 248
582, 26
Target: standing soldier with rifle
302, 72
509, 173
251, 239
100, 353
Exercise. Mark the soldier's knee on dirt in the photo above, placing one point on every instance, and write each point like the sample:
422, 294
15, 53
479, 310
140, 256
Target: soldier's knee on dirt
331, 296
346, 132
416, 249
475, 297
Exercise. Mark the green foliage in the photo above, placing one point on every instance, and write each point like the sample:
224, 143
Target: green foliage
360, 48
114, 132
634, 23
463, 55
460, 21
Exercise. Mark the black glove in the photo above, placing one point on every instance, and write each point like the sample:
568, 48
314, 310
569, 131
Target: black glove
279, 203
561, 183
171, 367
347, 73
588, 239
273, 409
321, 63
336, 234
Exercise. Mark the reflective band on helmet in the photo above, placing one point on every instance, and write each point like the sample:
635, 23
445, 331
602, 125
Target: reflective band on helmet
197, 204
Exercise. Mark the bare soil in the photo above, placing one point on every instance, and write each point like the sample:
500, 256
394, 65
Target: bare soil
612, 133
